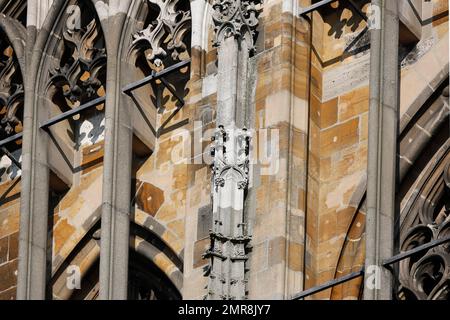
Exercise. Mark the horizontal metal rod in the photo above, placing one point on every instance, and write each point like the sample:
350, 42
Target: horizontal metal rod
328, 285
71, 113
11, 157
315, 6
11, 139
419, 249
154, 76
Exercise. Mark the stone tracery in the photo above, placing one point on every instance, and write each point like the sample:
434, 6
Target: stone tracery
11, 92
236, 18
165, 39
426, 276
11, 107
78, 72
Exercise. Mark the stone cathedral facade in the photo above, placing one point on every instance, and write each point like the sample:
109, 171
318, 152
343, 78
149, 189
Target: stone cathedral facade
224, 149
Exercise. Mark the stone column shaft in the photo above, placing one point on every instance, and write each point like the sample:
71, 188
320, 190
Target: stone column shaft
115, 225
382, 162
32, 275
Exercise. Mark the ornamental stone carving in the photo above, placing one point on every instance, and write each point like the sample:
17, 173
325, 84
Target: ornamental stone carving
426, 219
227, 159
11, 92
165, 38
236, 18
80, 70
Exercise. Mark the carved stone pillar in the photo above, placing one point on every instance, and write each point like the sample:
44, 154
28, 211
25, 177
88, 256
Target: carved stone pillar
235, 22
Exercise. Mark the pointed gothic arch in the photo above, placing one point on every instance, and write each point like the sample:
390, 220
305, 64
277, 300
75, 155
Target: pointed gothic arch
423, 204
159, 45
155, 270
426, 275
75, 73
61, 77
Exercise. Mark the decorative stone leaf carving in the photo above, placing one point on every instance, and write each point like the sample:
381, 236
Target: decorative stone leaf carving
11, 92
82, 61
77, 72
235, 18
164, 39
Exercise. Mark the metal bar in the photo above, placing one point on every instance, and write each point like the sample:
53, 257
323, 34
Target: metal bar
328, 285
414, 251
315, 6
10, 156
154, 76
71, 113
141, 111
11, 139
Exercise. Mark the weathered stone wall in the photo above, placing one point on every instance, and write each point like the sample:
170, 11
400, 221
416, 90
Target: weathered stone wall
279, 178
338, 140
339, 132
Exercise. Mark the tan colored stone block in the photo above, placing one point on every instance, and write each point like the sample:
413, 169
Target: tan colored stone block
4, 247
9, 275
149, 198
13, 246
339, 137
9, 191
177, 227
259, 257
61, 233
200, 248
277, 251
353, 103
364, 129
92, 157
9, 294
166, 213
9, 220
180, 177
316, 82
296, 256
328, 113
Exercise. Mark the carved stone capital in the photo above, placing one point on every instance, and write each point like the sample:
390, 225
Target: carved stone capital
236, 18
